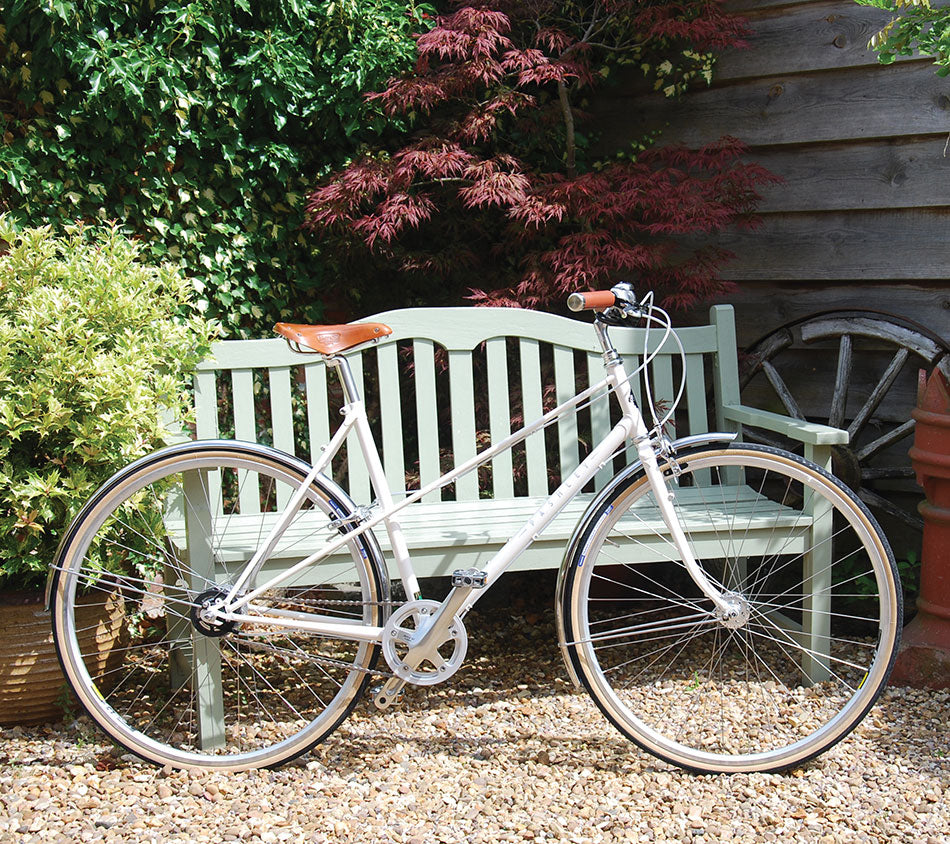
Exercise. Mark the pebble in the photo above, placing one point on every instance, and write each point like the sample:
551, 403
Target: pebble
487, 758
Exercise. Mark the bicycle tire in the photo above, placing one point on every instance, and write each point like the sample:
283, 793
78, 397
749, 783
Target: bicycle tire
173, 690
766, 693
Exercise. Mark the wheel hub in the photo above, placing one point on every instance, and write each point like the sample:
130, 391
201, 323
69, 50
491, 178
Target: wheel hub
736, 612
203, 618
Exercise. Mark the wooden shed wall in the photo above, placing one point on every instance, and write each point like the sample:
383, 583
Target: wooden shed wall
863, 217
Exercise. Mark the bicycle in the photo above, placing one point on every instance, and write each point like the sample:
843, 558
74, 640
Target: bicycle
728, 607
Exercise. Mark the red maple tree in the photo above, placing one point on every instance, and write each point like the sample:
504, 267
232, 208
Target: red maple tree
495, 189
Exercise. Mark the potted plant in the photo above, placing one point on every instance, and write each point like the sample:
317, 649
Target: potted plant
94, 345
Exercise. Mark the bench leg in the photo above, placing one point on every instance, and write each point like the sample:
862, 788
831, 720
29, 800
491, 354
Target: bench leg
816, 609
207, 690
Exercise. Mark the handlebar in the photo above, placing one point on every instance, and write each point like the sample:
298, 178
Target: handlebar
593, 300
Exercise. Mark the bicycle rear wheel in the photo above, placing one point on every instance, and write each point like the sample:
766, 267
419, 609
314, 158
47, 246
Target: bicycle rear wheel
817, 621
168, 534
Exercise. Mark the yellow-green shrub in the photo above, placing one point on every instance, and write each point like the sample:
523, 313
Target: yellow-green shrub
93, 346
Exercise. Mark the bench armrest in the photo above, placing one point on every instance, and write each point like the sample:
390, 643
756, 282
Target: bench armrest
811, 433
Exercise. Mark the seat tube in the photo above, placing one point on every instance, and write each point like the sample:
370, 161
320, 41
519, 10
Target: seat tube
377, 475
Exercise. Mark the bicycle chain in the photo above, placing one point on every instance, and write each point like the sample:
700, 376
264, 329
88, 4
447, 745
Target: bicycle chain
326, 660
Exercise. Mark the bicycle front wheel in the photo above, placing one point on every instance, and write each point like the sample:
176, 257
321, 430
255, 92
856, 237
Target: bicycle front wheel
791, 669
167, 535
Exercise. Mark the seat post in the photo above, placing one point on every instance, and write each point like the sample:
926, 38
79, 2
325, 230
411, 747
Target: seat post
342, 365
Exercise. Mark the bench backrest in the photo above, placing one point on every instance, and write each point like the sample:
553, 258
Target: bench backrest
450, 381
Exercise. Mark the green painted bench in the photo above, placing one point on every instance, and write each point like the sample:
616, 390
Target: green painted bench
449, 381
446, 382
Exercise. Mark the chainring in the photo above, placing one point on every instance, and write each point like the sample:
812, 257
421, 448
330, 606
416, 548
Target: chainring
439, 661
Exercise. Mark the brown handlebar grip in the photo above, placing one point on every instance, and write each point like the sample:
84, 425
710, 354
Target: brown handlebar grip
592, 300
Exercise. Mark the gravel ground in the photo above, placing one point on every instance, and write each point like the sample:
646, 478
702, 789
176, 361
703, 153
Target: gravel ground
506, 751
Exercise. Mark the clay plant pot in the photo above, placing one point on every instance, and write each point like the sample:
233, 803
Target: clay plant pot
33, 689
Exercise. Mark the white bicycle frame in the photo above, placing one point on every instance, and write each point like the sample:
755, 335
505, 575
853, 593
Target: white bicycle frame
239, 606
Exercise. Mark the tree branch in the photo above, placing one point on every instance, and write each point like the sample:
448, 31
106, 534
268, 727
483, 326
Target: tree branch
568, 128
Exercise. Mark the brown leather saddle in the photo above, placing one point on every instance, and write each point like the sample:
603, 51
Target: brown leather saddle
330, 339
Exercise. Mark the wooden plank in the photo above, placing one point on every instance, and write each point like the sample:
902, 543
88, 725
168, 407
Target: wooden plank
533, 410
814, 36
599, 413
318, 414
358, 484
462, 400
280, 408
423, 355
858, 103
242, 386
762, 306
567, 425
892, 245
242, 392
390, 408
206, 406
499, 415
896, 173
282, 419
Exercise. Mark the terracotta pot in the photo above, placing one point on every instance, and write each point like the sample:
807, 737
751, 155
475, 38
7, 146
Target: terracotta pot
33, 689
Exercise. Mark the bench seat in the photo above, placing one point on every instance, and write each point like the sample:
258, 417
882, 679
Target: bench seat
450, 535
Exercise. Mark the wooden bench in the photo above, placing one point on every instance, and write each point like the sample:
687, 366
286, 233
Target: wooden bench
447, 382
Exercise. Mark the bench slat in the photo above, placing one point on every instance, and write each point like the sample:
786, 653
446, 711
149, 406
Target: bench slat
245, 428
532, 405
358, 487
427, 414
565, 388
462, 401
499, 410
448, 534
206, 405
318, 413
390, 409
696, 400
282, 418
599, 414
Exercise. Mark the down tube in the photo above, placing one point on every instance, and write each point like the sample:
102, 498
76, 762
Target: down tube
544, 515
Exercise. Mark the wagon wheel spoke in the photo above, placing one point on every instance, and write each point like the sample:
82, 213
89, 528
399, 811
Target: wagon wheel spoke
839, 398
762, 438
778, 384
878, 393
882, 442
880, 503
885, 473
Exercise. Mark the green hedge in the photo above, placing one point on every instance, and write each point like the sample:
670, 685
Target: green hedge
93, 348
198, 126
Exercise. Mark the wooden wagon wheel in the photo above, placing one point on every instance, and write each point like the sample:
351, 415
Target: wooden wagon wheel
855, 370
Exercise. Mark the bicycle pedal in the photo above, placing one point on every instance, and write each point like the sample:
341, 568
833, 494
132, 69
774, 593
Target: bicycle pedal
471, 578
386, 695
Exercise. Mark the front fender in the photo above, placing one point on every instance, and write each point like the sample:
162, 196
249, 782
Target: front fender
685, 444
